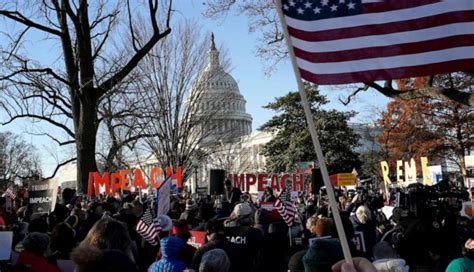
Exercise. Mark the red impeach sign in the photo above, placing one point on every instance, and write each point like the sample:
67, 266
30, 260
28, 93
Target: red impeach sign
198, 238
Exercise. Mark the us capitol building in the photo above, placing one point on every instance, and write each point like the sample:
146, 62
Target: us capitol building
227, 133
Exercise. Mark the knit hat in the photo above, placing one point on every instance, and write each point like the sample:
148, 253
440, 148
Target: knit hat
36, 243
363, 214
242, 209
165, 222
191, 205
215, 260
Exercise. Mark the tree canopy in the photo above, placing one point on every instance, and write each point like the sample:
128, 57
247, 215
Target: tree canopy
439, 129
293, 143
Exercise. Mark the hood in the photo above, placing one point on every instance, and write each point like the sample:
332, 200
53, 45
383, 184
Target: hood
261, 216
391, 265
171, 246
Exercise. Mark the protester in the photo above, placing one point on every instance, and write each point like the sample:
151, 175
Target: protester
62, 241
268, 195
169, 262
34, 253
363, 221
467, 262
386, 259
217, 239
215, 260
92, 259
108, 233
232, 194
95, 231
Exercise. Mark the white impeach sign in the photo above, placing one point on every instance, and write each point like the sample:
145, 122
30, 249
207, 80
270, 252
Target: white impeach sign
359, 241
42, 195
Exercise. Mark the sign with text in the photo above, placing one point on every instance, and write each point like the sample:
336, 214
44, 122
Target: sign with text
359, 241
198, 238
406, 171
343, 179
126, 179
257, 182
42, 195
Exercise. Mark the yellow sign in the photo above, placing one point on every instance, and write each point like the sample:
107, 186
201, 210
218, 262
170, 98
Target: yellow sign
346, 179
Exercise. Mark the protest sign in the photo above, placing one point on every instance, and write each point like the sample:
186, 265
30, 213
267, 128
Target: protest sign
406, 171
129, 179
257, 182
6, 239
343, 179
269, 206
42, 195
198, 238
359, 241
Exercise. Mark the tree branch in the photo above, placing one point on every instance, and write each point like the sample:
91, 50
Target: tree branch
461, 97
43, 118
16, 16
354, 93
59, 166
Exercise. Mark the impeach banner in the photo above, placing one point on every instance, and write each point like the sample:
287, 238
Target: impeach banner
42, 195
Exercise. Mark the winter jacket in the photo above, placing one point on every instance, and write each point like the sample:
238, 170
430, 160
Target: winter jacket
391, 265
461, 265
170, 248
233, 251
37, 263
322, 255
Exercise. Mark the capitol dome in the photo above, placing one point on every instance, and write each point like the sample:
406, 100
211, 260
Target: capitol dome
218, 97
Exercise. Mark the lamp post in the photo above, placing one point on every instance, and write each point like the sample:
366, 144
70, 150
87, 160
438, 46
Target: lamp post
195, 167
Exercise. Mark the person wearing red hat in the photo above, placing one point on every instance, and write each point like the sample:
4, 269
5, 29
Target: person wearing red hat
181, 230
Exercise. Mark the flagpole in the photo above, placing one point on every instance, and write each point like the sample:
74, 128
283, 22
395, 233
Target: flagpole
315, 138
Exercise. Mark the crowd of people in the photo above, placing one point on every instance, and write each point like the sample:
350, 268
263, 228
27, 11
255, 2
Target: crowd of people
242, 234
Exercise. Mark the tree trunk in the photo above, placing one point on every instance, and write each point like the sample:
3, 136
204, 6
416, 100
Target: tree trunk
86, 133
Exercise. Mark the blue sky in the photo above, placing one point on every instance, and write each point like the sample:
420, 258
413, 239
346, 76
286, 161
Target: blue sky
248, 70
260, 89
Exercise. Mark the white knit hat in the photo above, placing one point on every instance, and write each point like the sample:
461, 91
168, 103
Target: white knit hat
242, 209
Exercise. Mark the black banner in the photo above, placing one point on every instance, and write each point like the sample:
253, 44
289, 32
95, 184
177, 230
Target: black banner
42, 195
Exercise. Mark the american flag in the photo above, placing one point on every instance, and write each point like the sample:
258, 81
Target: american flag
147, 228
10, 192
285, 207
348, 41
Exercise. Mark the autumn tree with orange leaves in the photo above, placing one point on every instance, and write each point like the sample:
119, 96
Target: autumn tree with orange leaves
438, 129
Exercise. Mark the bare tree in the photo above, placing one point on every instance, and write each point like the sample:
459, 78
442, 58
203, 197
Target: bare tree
177, 108
263, 18
67, 95
18, 159
232, 157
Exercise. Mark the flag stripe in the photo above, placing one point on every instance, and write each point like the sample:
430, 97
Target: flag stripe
440, 56
338, 42
444, 7
386, 40
387, 51
386, 28
381, 6
399, 72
